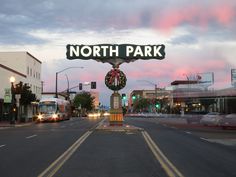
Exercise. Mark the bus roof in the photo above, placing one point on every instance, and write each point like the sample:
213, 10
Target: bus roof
57, 100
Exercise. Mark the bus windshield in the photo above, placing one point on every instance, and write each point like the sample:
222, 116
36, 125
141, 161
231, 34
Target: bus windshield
47, 108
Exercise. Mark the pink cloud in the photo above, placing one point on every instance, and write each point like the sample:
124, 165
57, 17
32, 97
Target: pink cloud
195, 14
224, 13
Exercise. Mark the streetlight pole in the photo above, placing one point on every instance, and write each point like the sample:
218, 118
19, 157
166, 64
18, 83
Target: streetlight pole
12, 80
151, 84
56, 94
68, 87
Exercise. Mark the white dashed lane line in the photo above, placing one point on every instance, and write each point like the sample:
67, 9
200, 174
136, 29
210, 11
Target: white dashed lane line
189, 133
203, 139
2, 145
32, 136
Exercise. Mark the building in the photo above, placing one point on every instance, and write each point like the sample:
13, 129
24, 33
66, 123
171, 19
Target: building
188, 97
25, 68
158, 96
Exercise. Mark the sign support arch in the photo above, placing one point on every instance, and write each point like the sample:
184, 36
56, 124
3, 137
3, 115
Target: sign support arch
115, 54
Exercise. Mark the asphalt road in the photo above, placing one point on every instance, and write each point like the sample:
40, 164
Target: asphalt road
192, 154
74, 148
27, 151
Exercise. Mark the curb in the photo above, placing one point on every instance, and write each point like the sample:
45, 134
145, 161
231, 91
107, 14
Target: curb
15, 125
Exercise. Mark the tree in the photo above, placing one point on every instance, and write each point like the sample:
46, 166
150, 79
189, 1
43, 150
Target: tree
141, 104
84, 100
26, 95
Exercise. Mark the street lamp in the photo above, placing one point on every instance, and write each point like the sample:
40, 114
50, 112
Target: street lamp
12, 80
68, 87
60, 72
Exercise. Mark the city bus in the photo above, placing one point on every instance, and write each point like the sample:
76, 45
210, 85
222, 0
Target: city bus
53, 110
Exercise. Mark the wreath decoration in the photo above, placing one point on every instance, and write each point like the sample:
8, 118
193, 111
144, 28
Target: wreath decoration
115, 79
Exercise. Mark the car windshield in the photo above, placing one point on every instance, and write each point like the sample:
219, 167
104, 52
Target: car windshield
47, 108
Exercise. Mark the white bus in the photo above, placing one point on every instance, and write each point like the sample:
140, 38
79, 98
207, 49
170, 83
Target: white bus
53, 109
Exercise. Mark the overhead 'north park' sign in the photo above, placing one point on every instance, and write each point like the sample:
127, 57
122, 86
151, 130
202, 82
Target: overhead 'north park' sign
122, 51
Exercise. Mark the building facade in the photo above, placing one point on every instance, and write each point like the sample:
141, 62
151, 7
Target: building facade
25, 68
188, 97
158, 96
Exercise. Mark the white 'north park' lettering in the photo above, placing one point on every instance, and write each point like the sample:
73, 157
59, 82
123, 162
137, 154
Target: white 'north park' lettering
104, 50
157, 51
129, 50
138, 52
83, 49
124, 51
115, 51
74, 51
147, 51
96, 50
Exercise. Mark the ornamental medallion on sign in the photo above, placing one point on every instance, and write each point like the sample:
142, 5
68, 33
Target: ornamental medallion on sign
115, 79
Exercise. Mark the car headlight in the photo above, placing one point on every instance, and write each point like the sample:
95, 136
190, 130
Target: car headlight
54, 116
40, 116
106, 114
90, 115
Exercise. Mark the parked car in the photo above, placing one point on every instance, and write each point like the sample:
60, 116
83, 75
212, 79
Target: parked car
193, 119
194, 116
211, 119
228, 121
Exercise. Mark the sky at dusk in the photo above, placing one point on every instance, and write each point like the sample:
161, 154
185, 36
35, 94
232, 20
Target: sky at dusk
200, 36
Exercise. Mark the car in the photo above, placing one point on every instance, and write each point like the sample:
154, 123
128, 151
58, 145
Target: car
228, 121
211, 119
94, 115
190, 119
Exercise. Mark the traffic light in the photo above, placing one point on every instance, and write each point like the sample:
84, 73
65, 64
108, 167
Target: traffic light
123, 96
158, 105
80, 86
133, 97
93, 85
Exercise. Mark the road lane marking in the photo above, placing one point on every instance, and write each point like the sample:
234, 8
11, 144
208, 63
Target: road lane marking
56, 165
2, 145
169, 168
32, 136
203, 139
189, 133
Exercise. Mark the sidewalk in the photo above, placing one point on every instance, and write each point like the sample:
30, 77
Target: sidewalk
5, 124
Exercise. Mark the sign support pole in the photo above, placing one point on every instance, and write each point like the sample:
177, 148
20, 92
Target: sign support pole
116, 112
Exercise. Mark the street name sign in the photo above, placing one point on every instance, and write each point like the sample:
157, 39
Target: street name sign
121, 51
